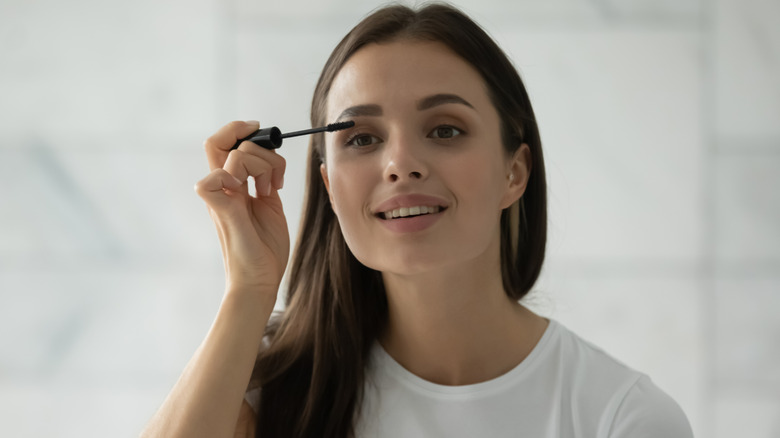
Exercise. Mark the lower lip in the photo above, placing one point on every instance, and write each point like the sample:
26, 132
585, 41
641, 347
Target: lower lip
411, 224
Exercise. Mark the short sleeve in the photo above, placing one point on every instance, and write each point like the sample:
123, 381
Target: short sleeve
253, 398
648, 412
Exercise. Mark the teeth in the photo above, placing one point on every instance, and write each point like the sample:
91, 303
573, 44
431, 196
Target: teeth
411, 211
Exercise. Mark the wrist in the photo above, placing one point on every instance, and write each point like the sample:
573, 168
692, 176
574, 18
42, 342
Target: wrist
260, 294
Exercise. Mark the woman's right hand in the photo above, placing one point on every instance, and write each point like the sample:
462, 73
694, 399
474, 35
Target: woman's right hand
252, 230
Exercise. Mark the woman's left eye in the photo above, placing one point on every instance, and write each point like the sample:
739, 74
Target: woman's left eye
445, 131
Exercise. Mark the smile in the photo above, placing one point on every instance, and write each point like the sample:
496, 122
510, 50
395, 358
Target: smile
410, 211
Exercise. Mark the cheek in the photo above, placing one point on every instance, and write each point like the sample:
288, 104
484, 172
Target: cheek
349, 194
475, 178
340, 194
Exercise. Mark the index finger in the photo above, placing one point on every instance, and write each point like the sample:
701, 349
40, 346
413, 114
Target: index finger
218, 145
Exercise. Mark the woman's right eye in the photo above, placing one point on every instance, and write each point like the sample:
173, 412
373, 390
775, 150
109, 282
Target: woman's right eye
362, 140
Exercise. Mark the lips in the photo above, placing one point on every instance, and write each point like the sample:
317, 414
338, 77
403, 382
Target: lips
409, 205
411, 211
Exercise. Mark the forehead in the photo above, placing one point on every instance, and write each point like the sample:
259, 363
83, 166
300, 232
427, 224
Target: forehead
402, 72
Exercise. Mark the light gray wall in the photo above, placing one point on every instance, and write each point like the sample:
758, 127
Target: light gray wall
660, 122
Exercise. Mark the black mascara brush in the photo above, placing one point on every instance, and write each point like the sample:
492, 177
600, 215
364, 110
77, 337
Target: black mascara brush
271, 138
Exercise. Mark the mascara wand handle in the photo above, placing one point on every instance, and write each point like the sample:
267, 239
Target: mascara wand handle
269, 138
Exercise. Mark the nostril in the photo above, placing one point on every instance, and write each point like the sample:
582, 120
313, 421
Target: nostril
394, 177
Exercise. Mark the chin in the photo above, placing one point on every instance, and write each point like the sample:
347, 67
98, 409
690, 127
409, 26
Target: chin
401, 264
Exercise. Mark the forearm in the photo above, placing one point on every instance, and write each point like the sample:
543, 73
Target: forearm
205, 401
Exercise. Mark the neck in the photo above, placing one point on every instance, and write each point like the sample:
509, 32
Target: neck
457, 326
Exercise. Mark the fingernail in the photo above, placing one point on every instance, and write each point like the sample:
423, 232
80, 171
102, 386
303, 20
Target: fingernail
252, 122
268, 190
281, 182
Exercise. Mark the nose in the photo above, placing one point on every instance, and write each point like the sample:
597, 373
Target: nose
404, 160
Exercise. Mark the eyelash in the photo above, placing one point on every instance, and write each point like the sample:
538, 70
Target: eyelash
353, 137
454, 128
358, 134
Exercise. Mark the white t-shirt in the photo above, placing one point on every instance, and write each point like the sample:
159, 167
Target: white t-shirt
566, 388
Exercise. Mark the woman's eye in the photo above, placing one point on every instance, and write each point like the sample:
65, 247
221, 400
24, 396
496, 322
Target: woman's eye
362, 140
445, 131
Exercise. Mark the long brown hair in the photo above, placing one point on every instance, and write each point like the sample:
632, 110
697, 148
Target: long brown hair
312, 373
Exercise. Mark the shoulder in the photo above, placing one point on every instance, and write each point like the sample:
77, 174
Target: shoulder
587, 365
626, 402
647, 412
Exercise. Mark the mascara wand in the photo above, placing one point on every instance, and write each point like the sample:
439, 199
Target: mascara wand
271, 138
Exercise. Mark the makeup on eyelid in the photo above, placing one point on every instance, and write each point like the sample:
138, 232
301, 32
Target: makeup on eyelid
442, 106
357, 133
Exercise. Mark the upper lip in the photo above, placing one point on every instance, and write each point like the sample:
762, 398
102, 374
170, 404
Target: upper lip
410, 200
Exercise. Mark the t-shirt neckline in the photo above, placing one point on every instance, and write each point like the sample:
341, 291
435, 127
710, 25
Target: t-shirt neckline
383, 361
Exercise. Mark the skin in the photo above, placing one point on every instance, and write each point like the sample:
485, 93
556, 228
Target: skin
207, 400
450, 321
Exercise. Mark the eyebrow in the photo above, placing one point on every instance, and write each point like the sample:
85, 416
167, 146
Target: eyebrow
441, 99
373, 110
360, 110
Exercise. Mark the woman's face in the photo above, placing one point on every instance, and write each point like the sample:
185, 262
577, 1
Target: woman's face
426, 139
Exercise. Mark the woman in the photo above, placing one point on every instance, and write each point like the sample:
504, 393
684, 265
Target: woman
424, 225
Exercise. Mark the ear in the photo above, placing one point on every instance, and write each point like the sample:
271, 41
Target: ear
324, 174
518, 172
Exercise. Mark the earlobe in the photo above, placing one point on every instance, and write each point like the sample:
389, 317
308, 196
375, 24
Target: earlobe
518, 175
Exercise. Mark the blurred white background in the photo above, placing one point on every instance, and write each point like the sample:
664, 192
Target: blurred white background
661, 127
